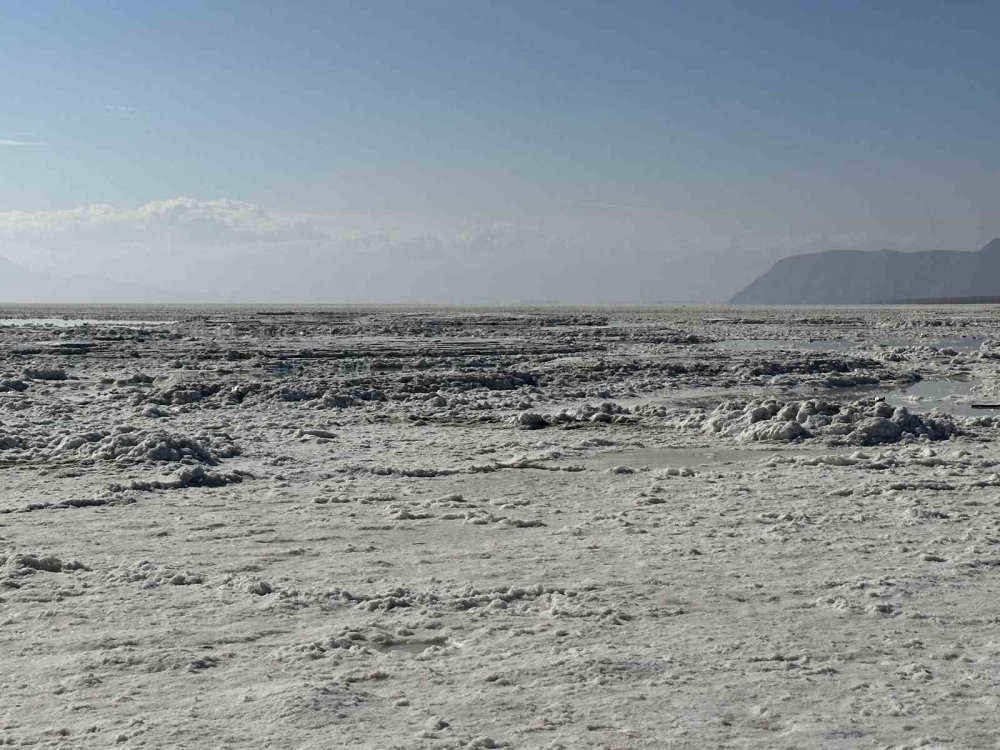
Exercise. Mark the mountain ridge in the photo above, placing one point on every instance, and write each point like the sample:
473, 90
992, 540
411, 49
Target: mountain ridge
19, 285
876, 277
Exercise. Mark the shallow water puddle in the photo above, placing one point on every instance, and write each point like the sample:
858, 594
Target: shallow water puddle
959, 345
763, 345
661, 458
951, 396
842, 345
414, 647
76, 322
954, 397
279, 369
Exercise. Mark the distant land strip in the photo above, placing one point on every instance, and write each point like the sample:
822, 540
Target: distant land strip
990, 300
860, 277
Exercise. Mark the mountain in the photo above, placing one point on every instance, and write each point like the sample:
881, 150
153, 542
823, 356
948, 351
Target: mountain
868, 277
19, 285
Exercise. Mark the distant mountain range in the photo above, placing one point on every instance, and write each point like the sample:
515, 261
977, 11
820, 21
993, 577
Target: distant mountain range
883, 276
18, 284
831, 277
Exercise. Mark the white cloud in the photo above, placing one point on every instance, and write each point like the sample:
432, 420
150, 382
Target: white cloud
187, 219
19, 143
231, 250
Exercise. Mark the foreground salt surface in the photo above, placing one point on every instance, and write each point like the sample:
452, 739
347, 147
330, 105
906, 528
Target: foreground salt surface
450, 529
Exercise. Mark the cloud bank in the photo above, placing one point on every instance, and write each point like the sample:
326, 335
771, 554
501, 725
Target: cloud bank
231, 251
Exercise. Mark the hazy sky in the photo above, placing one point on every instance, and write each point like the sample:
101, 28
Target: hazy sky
485, 151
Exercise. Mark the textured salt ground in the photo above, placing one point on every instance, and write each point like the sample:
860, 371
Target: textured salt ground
678, 637
766, 597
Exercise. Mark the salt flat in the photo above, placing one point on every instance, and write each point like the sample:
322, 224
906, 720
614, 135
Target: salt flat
525, 528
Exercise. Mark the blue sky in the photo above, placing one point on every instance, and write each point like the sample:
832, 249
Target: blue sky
733, 131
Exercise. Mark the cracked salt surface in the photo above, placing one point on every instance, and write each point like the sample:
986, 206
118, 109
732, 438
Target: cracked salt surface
442, 528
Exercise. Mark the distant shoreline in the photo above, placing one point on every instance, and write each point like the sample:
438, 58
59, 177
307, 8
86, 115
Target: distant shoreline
988, 300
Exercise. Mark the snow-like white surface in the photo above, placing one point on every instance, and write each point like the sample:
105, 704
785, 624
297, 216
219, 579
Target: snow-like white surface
535, 529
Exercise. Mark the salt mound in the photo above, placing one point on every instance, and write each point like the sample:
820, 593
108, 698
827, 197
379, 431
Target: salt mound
186, 476
16, 565
863, 422
44, 373
11, 441
607, 412
149, 574
172, 390
160, 447
122, 444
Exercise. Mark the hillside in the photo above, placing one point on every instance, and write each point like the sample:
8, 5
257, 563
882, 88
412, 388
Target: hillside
19, 285
863, 277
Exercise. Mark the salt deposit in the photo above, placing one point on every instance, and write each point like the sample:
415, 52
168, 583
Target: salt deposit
438, 528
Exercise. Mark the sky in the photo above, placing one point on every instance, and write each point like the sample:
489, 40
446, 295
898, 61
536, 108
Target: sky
489, 152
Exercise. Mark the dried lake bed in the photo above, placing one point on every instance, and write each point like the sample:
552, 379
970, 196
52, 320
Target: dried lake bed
526, 528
